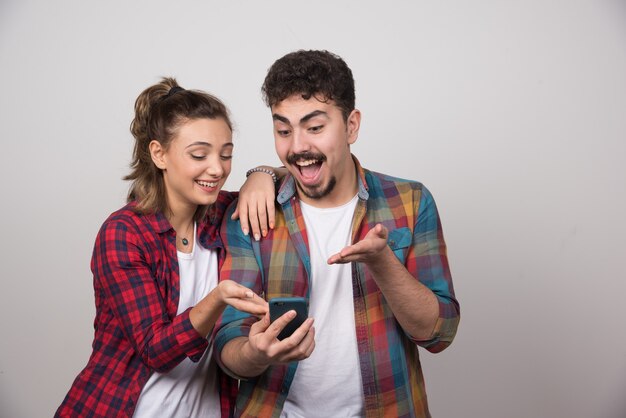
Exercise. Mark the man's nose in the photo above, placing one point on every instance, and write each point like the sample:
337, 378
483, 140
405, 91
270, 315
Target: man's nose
300, 142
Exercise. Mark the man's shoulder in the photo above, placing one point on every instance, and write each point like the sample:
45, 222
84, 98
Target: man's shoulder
384, 183
230, 229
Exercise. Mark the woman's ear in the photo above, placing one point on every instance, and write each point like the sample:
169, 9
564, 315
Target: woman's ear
158, 154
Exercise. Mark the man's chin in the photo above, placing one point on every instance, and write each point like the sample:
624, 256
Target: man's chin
318, 191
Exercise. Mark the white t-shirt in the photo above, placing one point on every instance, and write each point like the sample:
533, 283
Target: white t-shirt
190, 389
328, 383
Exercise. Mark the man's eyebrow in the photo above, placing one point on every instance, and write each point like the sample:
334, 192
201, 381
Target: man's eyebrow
276, 116
280, 118
312, 115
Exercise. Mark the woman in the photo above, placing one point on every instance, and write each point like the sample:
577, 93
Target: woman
155, 265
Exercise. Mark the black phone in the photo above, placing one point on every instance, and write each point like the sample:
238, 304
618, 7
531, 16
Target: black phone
280, 306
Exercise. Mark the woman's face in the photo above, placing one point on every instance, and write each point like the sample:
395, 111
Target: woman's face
196, 164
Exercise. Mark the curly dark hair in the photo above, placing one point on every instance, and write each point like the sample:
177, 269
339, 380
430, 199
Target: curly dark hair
319, 74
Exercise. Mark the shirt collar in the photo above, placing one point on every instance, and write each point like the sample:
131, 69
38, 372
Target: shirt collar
158, 221
288, 188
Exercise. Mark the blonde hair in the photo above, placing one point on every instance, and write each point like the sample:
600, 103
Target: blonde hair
159, 111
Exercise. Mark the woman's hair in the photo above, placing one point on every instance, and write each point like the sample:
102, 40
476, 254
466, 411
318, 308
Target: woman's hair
319, 74
160, 110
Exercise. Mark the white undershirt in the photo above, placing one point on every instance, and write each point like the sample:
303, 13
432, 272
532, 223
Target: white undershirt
328, 383
190, 389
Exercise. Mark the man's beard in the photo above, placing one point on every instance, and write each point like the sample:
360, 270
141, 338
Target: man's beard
317, 192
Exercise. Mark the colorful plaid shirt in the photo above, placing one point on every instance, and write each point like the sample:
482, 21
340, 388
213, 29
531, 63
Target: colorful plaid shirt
137, 331
279, 266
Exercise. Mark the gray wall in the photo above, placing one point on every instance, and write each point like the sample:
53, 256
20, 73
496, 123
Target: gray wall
513, 113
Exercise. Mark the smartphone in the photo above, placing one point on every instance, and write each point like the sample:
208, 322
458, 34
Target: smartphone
280, 306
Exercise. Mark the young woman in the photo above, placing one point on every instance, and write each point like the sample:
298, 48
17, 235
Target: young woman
155, 266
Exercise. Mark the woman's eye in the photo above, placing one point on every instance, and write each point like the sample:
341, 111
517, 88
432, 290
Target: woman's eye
198, 156
226, 157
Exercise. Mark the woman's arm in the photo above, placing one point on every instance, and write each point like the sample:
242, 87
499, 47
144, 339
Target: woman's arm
255, 206
123, 266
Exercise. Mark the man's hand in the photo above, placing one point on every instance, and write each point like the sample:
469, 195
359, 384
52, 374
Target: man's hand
251, 356
266, 347
369, 250
414, 305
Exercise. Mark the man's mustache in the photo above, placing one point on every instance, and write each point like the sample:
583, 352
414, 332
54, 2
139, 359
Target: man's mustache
291, 159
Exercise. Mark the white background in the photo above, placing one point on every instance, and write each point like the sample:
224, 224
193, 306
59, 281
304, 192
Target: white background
513, 113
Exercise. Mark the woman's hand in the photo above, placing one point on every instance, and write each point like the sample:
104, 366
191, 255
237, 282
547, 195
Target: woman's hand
206, 312
255, 207
241, 298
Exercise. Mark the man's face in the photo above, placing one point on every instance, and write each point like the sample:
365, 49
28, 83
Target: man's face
313, 141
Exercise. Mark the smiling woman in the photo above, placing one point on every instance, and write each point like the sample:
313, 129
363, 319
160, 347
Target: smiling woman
195, 165
155, 266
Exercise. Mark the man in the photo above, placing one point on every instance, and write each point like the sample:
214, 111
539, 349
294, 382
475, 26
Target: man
366, 249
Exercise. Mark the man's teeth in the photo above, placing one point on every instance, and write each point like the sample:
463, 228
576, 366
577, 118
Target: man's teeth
206, 183
306, 163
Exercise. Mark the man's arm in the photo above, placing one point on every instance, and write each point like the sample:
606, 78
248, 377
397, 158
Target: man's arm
425, 308
413, 304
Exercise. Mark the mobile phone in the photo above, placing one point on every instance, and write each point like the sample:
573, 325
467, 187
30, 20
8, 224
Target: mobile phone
280, 306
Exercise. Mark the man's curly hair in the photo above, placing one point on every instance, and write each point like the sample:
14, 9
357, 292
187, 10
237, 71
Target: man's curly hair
319, 74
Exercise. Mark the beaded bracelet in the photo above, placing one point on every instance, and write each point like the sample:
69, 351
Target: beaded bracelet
262, 170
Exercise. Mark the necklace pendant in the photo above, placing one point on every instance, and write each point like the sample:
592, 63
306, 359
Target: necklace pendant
185, 241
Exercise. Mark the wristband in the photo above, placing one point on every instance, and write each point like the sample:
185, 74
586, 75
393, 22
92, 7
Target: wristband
262, 170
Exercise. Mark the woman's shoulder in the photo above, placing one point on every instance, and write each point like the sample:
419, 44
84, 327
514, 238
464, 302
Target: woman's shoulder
126, 214
129, 218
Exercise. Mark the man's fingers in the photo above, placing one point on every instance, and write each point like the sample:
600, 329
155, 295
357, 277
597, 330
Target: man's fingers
381, 231
277, 326
261, 325
300, 344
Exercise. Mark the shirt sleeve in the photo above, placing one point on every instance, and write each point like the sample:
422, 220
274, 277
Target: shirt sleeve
122, 272
242, 266
427, 260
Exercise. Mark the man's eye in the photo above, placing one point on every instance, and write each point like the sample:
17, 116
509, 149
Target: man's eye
282, 132
315, 129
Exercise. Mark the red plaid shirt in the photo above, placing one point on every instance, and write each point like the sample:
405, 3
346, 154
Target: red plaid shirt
137, 331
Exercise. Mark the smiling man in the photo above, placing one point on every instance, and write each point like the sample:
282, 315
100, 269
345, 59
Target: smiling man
365, 249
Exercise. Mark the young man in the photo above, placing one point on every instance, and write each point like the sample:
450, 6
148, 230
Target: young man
366, 249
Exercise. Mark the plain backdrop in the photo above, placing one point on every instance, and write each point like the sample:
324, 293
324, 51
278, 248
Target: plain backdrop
513, 113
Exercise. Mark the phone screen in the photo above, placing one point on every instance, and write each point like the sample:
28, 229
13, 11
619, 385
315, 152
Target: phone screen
280, 306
